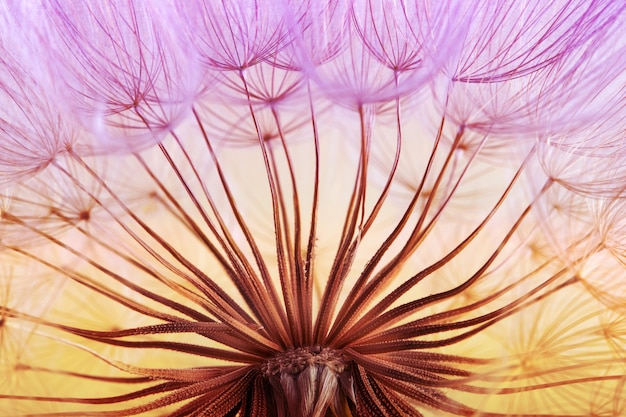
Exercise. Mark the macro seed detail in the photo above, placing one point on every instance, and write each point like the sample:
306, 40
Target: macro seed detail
312, 208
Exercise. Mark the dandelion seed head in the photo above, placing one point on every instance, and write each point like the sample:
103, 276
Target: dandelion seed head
315, 209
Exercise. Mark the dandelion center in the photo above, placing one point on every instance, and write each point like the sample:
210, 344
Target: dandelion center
295, 361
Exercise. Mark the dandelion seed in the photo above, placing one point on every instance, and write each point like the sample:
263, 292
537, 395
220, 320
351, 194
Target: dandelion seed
313, 209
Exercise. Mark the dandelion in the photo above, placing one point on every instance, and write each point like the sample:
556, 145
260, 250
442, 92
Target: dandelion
300, 208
